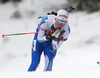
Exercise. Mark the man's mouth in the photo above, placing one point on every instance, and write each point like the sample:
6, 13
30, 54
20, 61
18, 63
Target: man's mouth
59, 28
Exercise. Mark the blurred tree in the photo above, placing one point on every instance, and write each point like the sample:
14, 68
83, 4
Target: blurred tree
88, 5
4, 1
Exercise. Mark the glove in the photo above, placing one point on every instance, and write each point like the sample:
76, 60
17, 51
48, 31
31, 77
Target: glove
54, 45
48, 36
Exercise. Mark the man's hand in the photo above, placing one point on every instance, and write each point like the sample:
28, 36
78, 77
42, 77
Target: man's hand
48, 36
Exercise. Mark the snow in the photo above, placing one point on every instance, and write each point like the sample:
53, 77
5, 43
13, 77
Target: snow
77, 57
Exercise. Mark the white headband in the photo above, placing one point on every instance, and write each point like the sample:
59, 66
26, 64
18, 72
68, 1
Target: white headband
62, 15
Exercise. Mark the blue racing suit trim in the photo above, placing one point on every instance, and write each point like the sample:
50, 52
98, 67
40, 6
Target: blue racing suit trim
43, 20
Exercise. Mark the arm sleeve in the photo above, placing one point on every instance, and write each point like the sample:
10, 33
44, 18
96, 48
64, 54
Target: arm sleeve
41, 33
66, 34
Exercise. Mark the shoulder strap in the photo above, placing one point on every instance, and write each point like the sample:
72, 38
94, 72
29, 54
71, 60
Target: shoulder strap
50, 24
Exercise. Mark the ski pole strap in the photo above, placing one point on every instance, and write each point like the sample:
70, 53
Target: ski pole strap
60, 37
50, 32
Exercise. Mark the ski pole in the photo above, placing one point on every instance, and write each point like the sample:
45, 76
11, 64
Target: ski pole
19, 34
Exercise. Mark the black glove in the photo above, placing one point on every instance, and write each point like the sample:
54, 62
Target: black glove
48, 36
55, 39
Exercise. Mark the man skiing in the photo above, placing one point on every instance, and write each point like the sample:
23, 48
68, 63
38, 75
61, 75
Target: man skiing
52, 32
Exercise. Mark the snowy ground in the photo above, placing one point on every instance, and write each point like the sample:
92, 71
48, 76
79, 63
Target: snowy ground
76, 56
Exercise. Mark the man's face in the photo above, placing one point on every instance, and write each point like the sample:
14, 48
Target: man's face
59, 24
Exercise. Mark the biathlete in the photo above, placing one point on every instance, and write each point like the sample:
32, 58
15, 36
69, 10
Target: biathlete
52, 32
